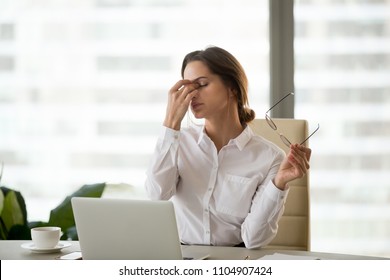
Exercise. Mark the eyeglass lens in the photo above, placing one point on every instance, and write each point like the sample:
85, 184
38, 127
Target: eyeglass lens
274, 127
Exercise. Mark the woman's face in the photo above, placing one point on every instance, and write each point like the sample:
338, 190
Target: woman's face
212, 99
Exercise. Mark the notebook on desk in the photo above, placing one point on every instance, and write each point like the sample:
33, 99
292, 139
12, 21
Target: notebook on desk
123, 229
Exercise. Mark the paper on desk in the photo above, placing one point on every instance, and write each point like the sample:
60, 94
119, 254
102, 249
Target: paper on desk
278, 256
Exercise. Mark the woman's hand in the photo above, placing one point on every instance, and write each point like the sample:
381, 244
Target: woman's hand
294, 166
179, 99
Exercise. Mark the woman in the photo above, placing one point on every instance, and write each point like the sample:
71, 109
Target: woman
227, 184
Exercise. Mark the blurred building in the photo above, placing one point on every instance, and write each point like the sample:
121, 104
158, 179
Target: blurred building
84, 83
83, 87
342, 81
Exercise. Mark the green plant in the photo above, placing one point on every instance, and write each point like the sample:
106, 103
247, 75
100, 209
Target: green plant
13, 213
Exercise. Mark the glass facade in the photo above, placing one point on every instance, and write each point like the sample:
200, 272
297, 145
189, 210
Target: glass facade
84, 83
342, 66
83, 87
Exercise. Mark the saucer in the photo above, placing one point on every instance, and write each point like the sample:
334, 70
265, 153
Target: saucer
30, 246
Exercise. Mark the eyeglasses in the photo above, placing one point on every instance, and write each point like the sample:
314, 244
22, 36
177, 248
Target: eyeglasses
274, 127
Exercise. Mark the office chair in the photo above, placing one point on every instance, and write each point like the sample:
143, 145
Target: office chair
294, 225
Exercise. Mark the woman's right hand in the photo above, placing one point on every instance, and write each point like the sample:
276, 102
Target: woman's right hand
179, 99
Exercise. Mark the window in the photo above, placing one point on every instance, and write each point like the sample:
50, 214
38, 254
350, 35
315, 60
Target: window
7, 63
342, 64
87, 82
6, 32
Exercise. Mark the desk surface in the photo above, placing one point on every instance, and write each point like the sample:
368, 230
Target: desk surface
12, 250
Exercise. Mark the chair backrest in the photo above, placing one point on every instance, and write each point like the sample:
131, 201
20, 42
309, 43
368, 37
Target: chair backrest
294, 225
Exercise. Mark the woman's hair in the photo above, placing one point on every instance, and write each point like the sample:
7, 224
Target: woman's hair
229, 69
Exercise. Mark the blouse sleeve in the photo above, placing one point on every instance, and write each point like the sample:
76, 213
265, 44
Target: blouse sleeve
162, 174
261, 224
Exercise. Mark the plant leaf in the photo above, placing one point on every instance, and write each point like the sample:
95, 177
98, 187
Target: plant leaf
22, 206
1, 201
12, 213
3, 233
62, 215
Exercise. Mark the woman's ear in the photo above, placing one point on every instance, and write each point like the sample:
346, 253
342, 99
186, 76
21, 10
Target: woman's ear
233, 93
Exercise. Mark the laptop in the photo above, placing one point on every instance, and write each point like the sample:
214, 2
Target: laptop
124, 229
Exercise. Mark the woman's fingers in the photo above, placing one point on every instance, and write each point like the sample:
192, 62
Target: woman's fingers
303, 156
299, 166
307, 151
183, 91
179, 85
183, 87
299, 159
187, 90
179, 99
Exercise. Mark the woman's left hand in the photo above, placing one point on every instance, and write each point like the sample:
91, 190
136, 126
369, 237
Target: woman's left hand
294, 166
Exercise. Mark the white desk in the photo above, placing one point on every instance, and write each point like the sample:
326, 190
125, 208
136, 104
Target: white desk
12, 250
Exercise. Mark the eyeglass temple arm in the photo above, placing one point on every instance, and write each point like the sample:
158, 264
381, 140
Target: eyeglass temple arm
318, 127
287, 95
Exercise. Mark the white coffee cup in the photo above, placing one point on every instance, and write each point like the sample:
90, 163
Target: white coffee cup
45, 237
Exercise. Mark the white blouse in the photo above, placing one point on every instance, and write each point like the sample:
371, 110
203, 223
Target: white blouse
221, 198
